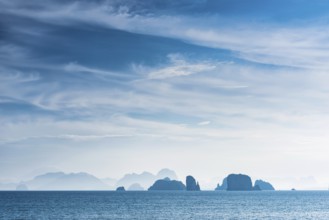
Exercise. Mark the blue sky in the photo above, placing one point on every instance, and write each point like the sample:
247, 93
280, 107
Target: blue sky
203, 87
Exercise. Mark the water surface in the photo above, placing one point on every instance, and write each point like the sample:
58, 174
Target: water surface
164, 205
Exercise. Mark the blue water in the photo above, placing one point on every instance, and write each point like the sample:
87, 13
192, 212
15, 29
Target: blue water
164, 205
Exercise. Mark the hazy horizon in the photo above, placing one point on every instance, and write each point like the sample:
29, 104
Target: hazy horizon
205, 88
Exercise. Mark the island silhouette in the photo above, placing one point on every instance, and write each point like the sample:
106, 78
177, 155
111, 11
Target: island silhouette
242, 182
165, 179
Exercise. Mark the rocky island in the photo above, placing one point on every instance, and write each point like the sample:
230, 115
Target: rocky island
263, 185
120, 188
242, 182
223, 186
239, 182
167, 184
191, 184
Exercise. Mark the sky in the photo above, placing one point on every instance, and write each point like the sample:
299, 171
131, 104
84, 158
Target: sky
203, 87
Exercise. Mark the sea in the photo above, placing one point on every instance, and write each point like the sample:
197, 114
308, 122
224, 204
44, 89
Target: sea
164, 205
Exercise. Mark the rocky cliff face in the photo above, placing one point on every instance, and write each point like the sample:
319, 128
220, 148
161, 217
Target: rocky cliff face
191, 184
167, 184
120, 188
264, 185
256, 188
223, 186
239, 182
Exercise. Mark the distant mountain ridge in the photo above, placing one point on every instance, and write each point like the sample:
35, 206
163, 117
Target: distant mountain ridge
62, 181
84, 181
145, 179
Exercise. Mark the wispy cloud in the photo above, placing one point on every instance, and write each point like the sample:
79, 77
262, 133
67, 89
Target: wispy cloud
292, 45
8, 75
180, 67
202, 123
75, 67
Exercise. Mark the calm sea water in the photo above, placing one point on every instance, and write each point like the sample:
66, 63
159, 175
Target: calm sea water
165, 205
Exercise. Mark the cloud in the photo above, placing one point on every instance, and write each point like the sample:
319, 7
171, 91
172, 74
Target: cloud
75, 67
10, 52
296, 44
202, 123
7, 76
267, 101
180, 67
71, 137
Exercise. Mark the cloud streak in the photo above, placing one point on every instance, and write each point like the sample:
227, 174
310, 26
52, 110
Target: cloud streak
292, 45
180, 67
